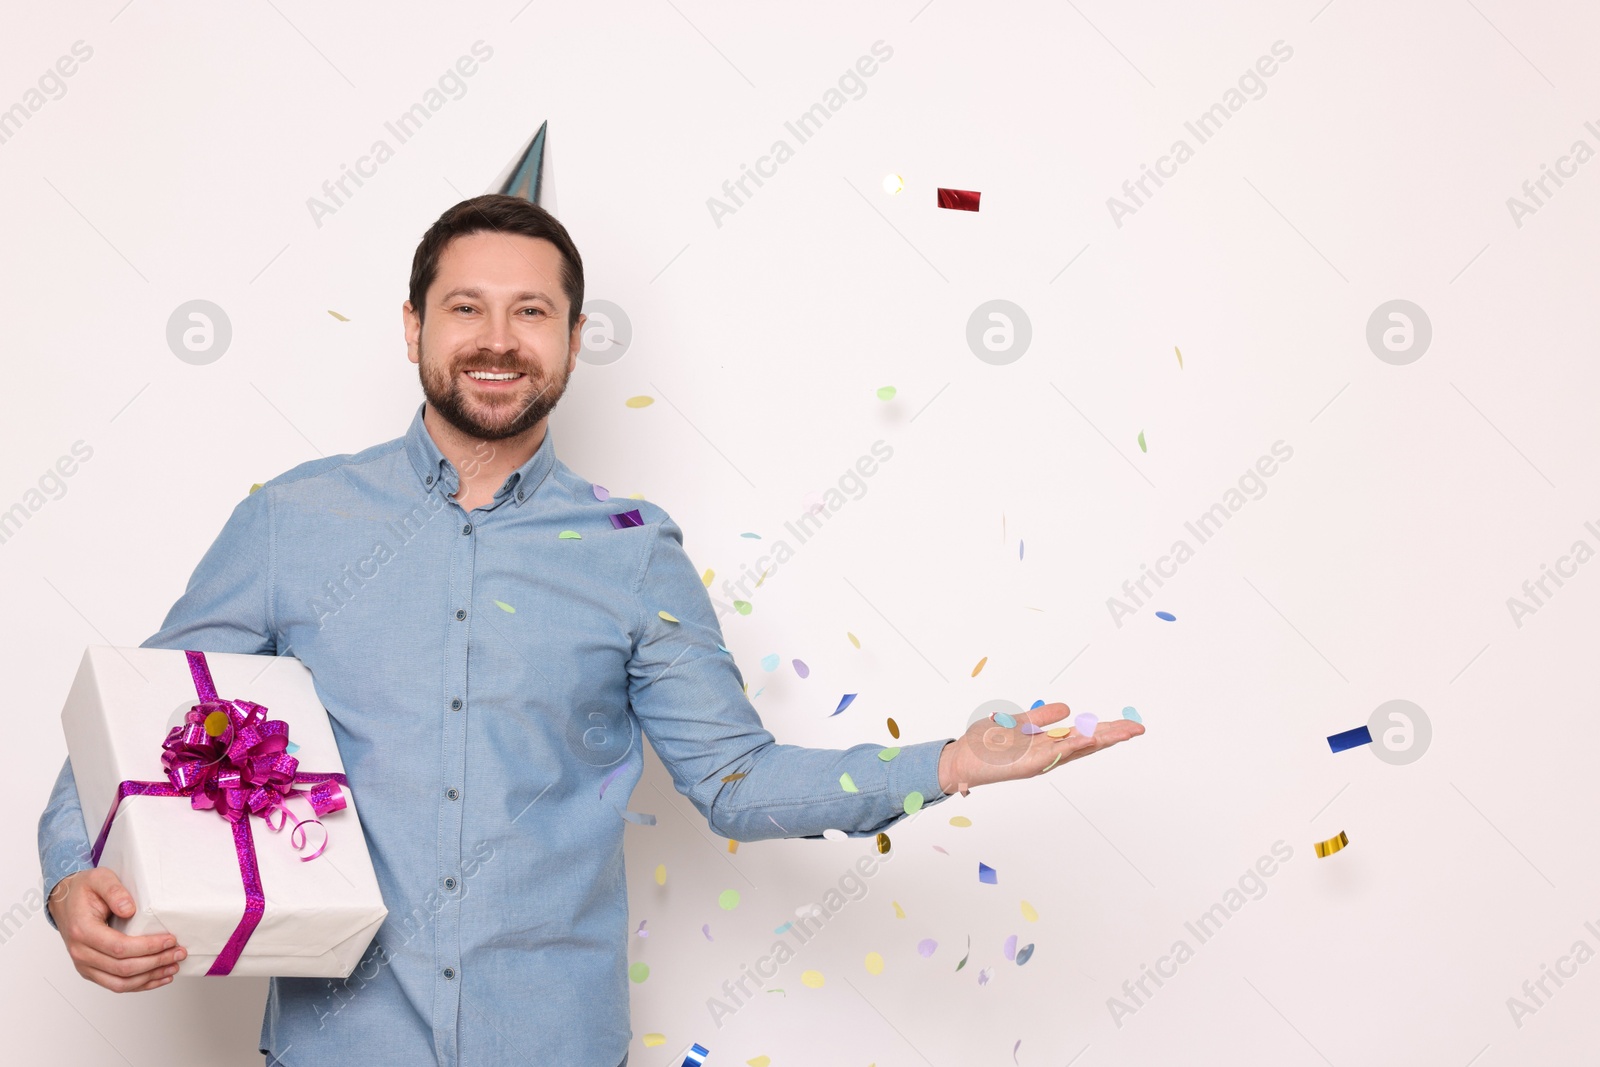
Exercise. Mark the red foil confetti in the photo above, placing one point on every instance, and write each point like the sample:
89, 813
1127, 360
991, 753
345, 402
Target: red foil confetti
959, 199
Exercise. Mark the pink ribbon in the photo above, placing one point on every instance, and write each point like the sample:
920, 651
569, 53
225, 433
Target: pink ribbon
245, 770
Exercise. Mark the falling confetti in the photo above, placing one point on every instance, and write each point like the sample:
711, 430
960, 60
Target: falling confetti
941, 849
1014, 1052
1180, 357
742, 607
503, 606
640, 401
1052, 763
926, 947
728, 899
638, 972
960, 820
853, 639
884, 844
705, 579
983, 976
216, 724
1029, 913
844, 702
886, 393
769, 662
1032, 728
887, 754
1361, 735
968, 956
733, 846
639, 818
874, 963
987, 874
1009, 950
1167, 615
1002, 718
847, 783
1036, 705
1331, 845
801, 669
338, 316
642, 932
913, 803
1024, 954
667, 616
1019, 549
661, 874
734, 777
760, 1061
979, 667
652, 1040
959, 199
569, 535
706, 929
1131, 715
811, 979
607, 780
785, 928
894, 729
291, 748
752, 536
835, 835
601, 493
257, 485
899, 912
1086, 723
893, 183
624, 519
776, 823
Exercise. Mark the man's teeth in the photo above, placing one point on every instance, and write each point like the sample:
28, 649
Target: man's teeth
490, 376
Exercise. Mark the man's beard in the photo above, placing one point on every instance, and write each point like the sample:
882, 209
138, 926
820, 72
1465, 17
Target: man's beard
512, 415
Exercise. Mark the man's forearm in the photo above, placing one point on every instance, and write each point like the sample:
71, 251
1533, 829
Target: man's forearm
64, 845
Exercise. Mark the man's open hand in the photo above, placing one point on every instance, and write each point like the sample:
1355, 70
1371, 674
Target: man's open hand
82, 905
989, 752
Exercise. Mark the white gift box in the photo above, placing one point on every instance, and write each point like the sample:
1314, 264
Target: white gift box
181, 864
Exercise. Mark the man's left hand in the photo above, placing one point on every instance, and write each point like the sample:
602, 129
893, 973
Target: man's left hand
989, 752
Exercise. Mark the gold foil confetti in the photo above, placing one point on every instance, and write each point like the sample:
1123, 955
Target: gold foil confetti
338, 316
884, 844
640, 401
668, 616
979, 667
1331, 845
874, 963
894, 729
661, 874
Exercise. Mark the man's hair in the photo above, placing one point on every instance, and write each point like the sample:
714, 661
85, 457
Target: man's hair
496, 213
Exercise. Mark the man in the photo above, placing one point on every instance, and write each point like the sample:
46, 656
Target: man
486, 673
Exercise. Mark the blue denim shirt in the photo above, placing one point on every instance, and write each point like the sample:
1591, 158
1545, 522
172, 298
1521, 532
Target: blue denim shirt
485, 675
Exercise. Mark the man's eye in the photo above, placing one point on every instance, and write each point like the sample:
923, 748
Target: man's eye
464, 307
539, 310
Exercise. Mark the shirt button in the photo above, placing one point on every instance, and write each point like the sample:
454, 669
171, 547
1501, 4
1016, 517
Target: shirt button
466, 530
449, 883
461, 613
428, 480
449, 972
455, 705
519, 494
451, 793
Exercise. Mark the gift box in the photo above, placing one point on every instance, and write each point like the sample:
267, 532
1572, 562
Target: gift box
243, 895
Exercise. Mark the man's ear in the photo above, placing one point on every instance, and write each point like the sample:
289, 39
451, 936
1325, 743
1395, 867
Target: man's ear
412, 325
575, 344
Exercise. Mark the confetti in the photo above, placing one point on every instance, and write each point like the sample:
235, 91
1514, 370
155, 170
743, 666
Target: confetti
769, 662
884, 844
661, 874
733, 846
1142, 448
811, 979
785, 928
893, 183
1361, 735
257, 485
1131, 715
696, 1056
338, 316
569, 535
1010, 948
760, 1061
776, 823
960, 820
705, 579
1331, 845
1059, 731
216, 724
899, 912
1167, 615
844, 702
752, 536
941, 848
1014, 1052
638, 972
979, 667
735, 776
926, 947
913, 803
706, 929
652, 1040
1086, 723
1036, 705
874, 963
887, 754
639, 818
959, 199
607, 779
1024, 954
742, 607
503, 606
1029, 912
847, 783
987, 874
894, 729
1019, 549
983, 976
291, 748
854, 640
624, 519
1032, 728
1004, 719
886, 393
642, 932
835, 835
1052, 763
728, 899
725, 649
1180, 357
667, 616
801, 669
640, 401
968, 956
601, 492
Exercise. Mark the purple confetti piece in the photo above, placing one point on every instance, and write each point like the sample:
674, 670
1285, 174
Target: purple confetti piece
1086, 723
938, 848
801, 669
1014, 1052
706, 929
642, 932
987, 874
1011, 948
602, 493
983, 976
1032, 728
623, 520
926, 946
639, 818
613, 774
1019, 550
844, 702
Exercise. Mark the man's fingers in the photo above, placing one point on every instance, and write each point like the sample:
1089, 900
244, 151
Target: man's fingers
114, 944
118, 984
125, 966
1044, 714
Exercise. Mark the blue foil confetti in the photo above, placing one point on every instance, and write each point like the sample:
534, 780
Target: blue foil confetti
1167, 615
987, 875
1361, 735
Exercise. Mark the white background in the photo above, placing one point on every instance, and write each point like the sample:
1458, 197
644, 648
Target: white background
1377, 566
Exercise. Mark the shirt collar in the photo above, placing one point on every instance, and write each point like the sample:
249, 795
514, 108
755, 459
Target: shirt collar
434, 471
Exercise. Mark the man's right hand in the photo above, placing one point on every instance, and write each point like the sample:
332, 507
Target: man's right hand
82, 905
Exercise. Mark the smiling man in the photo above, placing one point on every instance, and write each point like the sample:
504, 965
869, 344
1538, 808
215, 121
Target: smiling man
488, 678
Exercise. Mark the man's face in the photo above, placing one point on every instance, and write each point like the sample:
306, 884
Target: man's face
493, 349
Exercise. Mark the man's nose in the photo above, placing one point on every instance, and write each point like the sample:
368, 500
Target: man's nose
497, 336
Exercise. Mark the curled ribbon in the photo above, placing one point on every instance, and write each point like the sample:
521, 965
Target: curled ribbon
228, 757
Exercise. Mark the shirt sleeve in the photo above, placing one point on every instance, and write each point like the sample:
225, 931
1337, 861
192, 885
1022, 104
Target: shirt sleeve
688, 694
227, 607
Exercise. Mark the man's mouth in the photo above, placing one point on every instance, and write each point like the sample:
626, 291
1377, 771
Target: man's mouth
495, 376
